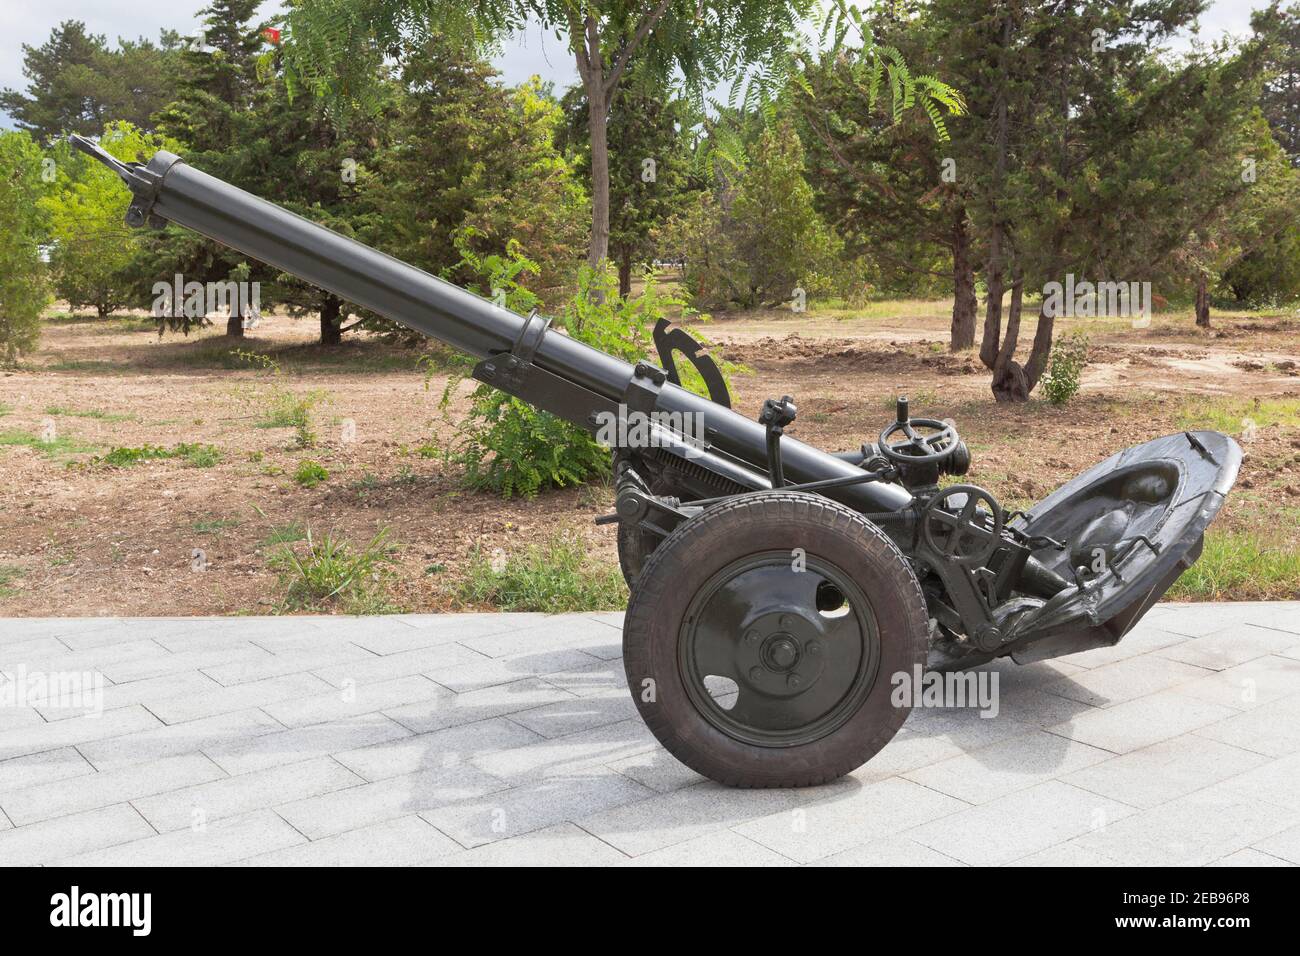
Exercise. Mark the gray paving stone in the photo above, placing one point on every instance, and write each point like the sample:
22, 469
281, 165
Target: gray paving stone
473, 706
1141, 722
657, 769
1276, 782
1246, 686
151, 692
369, 803
1164, 771
562, 632
405, 664
239, 756
1284, 845
1276, 615
898, 849
43, 843
1176, 833
574, 775
504, 670
1272, 729
1002, 768
560, 845
572, 716
406, 841
74, 731
576, 753
38, 648
1199, 620
168, 663
1019, 824
672, 818
278, 665
1249, 857
431, 630
1228, 647
222, 842
233, 796
929, 737
215, 698
167, 741
1143, 639
591, 680
442, 748
1124, 680
519, 810
19, 773
127, 784
1069, 854
724, 848
850, 816
14, 629
15, 718
355, 700
97, 658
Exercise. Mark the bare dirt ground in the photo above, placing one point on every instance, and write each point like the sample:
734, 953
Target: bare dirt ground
79, 537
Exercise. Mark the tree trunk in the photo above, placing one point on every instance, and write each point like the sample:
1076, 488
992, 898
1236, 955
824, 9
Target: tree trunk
1009, 380
625, 272
235, 324
964, 303
597, 127
1202, 301
331, 331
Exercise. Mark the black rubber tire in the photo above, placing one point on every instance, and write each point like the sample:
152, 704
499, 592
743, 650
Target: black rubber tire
708, 543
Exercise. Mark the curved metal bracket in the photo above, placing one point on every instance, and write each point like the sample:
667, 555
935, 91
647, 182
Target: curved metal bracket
670, 338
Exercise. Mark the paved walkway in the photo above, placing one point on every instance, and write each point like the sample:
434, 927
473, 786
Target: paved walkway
485, 739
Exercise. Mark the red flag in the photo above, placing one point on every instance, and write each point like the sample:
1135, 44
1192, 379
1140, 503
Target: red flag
272, 34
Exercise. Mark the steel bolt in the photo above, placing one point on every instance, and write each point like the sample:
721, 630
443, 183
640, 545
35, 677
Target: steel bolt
756, 674
793, 680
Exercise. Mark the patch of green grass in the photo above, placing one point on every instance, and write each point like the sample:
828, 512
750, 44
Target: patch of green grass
284, 534
59, 447
1230, 415
1241, 566
288, 410
5, 409
330, 572
8, 574
552, 576
195, 456
88, 413
311, 473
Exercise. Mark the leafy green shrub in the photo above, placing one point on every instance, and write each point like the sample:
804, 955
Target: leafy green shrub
552, 576
195, 456
506, 445
330, 571
310, 474
1065, 368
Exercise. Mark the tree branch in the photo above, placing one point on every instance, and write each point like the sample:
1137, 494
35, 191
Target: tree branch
647, 24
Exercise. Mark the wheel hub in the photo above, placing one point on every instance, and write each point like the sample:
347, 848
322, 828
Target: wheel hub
795, 669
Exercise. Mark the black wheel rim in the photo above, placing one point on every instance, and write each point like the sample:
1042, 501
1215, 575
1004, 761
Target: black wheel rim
779, 651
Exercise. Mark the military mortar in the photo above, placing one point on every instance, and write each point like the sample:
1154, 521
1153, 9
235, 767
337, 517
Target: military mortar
778, 593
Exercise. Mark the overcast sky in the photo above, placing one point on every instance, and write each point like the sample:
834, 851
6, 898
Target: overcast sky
30, 21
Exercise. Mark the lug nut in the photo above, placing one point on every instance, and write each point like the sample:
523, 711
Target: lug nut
756, 674
814, 647
752, 637
793, 680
